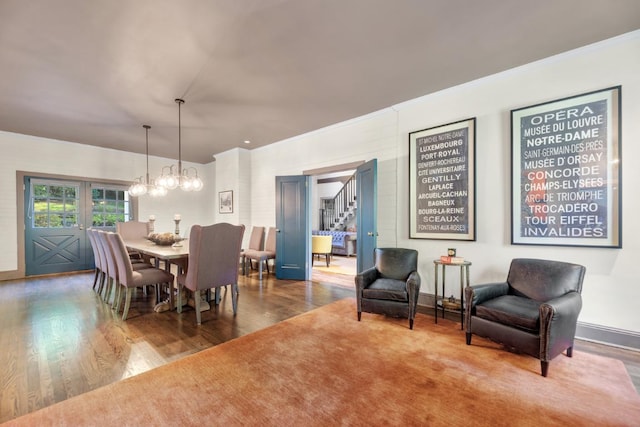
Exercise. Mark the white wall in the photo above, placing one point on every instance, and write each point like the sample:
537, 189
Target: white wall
611, 289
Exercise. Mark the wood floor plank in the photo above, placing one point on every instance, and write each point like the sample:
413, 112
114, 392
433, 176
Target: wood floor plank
59, 339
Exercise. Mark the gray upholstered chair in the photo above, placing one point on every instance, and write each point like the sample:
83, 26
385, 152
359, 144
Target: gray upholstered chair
534, 312
133, 230
214, 252
256, 243
100, 263
263, 256
391, 286
128, 278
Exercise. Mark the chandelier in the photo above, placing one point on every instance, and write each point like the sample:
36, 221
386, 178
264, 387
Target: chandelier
145, 185
175, 176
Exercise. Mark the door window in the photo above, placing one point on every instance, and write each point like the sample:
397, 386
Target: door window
54, 206
109, 205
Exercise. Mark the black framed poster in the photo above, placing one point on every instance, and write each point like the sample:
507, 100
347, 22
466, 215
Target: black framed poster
442, 182
566, 171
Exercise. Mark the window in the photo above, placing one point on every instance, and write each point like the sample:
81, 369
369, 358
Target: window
109, 205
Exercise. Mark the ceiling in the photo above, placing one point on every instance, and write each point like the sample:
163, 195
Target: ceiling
94, 72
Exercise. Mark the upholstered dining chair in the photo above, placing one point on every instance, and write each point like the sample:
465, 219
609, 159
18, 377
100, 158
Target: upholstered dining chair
391, 286
133, 230
128, 278
99, 269
111, 266
214, 252
535, 311
262, 257
256, 243
321, 245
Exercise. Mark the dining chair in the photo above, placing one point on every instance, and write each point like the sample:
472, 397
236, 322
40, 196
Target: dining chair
263, 256
128, 278
256, 241
110, 265
133, 230
100, 273
111, 269
214, 251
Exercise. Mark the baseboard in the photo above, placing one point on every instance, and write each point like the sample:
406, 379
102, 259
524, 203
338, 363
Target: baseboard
609, 336
10, 275
585, 331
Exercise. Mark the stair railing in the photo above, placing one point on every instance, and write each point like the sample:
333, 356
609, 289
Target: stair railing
334, 210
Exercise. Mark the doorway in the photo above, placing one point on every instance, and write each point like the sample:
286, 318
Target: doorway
334, 206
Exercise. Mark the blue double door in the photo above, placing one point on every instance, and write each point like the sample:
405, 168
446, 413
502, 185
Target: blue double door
293, 222
57, 214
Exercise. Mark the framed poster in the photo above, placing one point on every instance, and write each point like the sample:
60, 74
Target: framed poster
225, 204
442, 182
566, 171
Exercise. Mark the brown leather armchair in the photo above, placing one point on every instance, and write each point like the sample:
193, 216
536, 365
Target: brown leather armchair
391, 286
534, 312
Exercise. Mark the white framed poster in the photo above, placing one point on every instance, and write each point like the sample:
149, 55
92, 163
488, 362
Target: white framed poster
442, 182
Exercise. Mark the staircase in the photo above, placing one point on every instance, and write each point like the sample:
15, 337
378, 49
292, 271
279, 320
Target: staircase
336, 212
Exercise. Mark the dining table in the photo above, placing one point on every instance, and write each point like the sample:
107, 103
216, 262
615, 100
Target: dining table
176, 254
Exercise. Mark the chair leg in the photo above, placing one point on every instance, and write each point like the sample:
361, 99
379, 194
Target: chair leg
359, 315
468, 338
101, 285
410, 323
570, 352
196, 303
108, 290
327, 259
260, 268
544, 367
127, 303
234, 297
95, 278
116, 298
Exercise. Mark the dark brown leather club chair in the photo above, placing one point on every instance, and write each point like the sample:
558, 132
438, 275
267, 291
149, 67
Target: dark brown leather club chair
534, 312
391, 286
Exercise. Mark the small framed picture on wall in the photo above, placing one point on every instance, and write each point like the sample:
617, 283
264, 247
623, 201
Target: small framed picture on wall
225, 202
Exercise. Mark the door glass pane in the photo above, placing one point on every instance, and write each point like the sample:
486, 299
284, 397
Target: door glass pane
41, 220
54, 206
110, 205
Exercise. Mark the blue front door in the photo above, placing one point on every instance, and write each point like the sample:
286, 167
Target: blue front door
293, 223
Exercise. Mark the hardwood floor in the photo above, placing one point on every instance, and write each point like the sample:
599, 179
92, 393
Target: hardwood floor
59, 340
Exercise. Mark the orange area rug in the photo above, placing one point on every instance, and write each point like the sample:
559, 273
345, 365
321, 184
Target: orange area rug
325, 368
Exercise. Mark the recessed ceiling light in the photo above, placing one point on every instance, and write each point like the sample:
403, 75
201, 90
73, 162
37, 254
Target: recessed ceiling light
247, 142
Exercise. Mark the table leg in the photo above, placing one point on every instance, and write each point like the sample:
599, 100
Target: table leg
462, 270
435, 304
444, 289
